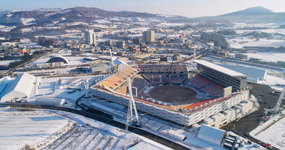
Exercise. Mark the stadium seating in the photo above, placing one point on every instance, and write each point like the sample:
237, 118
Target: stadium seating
115, 80
162, 68
210, 91
123, 90
196, 83
175, 78
149, 77
140, 83
206, 86
156, 78
217, 88
201, 79
163, 78
157, 73
199, 82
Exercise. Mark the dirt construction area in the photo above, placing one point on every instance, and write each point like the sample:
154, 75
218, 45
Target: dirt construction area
174, 94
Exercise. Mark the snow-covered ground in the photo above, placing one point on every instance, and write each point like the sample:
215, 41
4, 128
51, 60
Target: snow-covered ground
272, 81
167, 24
241, 42
19, 128
6, 28
73, 23
43, 129
246, 25
114, 138
271, 30
52, 91
272, 132
7, 62
268, 56
27, 21
102, 21
45, 84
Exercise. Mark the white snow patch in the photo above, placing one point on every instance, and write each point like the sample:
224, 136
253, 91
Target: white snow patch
27, 21
241, 42
19, 128
7, 62
272, 132
268, 56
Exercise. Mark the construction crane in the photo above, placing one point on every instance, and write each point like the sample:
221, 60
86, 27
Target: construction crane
277, 106
132, 117
167, 76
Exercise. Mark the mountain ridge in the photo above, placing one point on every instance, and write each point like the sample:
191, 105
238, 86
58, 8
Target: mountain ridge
71, 14
86, 14
251, 11
249, 15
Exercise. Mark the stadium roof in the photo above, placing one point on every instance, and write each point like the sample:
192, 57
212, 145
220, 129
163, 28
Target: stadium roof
220, 68
253, 74
58, 59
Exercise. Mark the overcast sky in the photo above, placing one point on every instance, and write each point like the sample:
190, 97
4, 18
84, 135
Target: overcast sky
189, 8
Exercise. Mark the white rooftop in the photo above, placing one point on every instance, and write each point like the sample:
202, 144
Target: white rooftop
21, 87
253, 74
220, 68
211, 134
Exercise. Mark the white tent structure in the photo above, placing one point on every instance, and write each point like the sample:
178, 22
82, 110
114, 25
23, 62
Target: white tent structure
211, 134
21, 87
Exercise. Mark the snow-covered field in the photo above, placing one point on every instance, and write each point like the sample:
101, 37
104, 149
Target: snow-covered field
272, 30
167, 24
268, 56
241, 42
7, 62
6, 28
104, 137
19, 128
272, 81
27, 21
53, 90
45, 84
272, 132
43, 129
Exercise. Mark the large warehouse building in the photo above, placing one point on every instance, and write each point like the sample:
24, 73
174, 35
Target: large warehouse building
222, 75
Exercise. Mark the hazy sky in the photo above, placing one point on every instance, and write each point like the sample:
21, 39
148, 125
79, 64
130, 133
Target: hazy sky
190, 8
